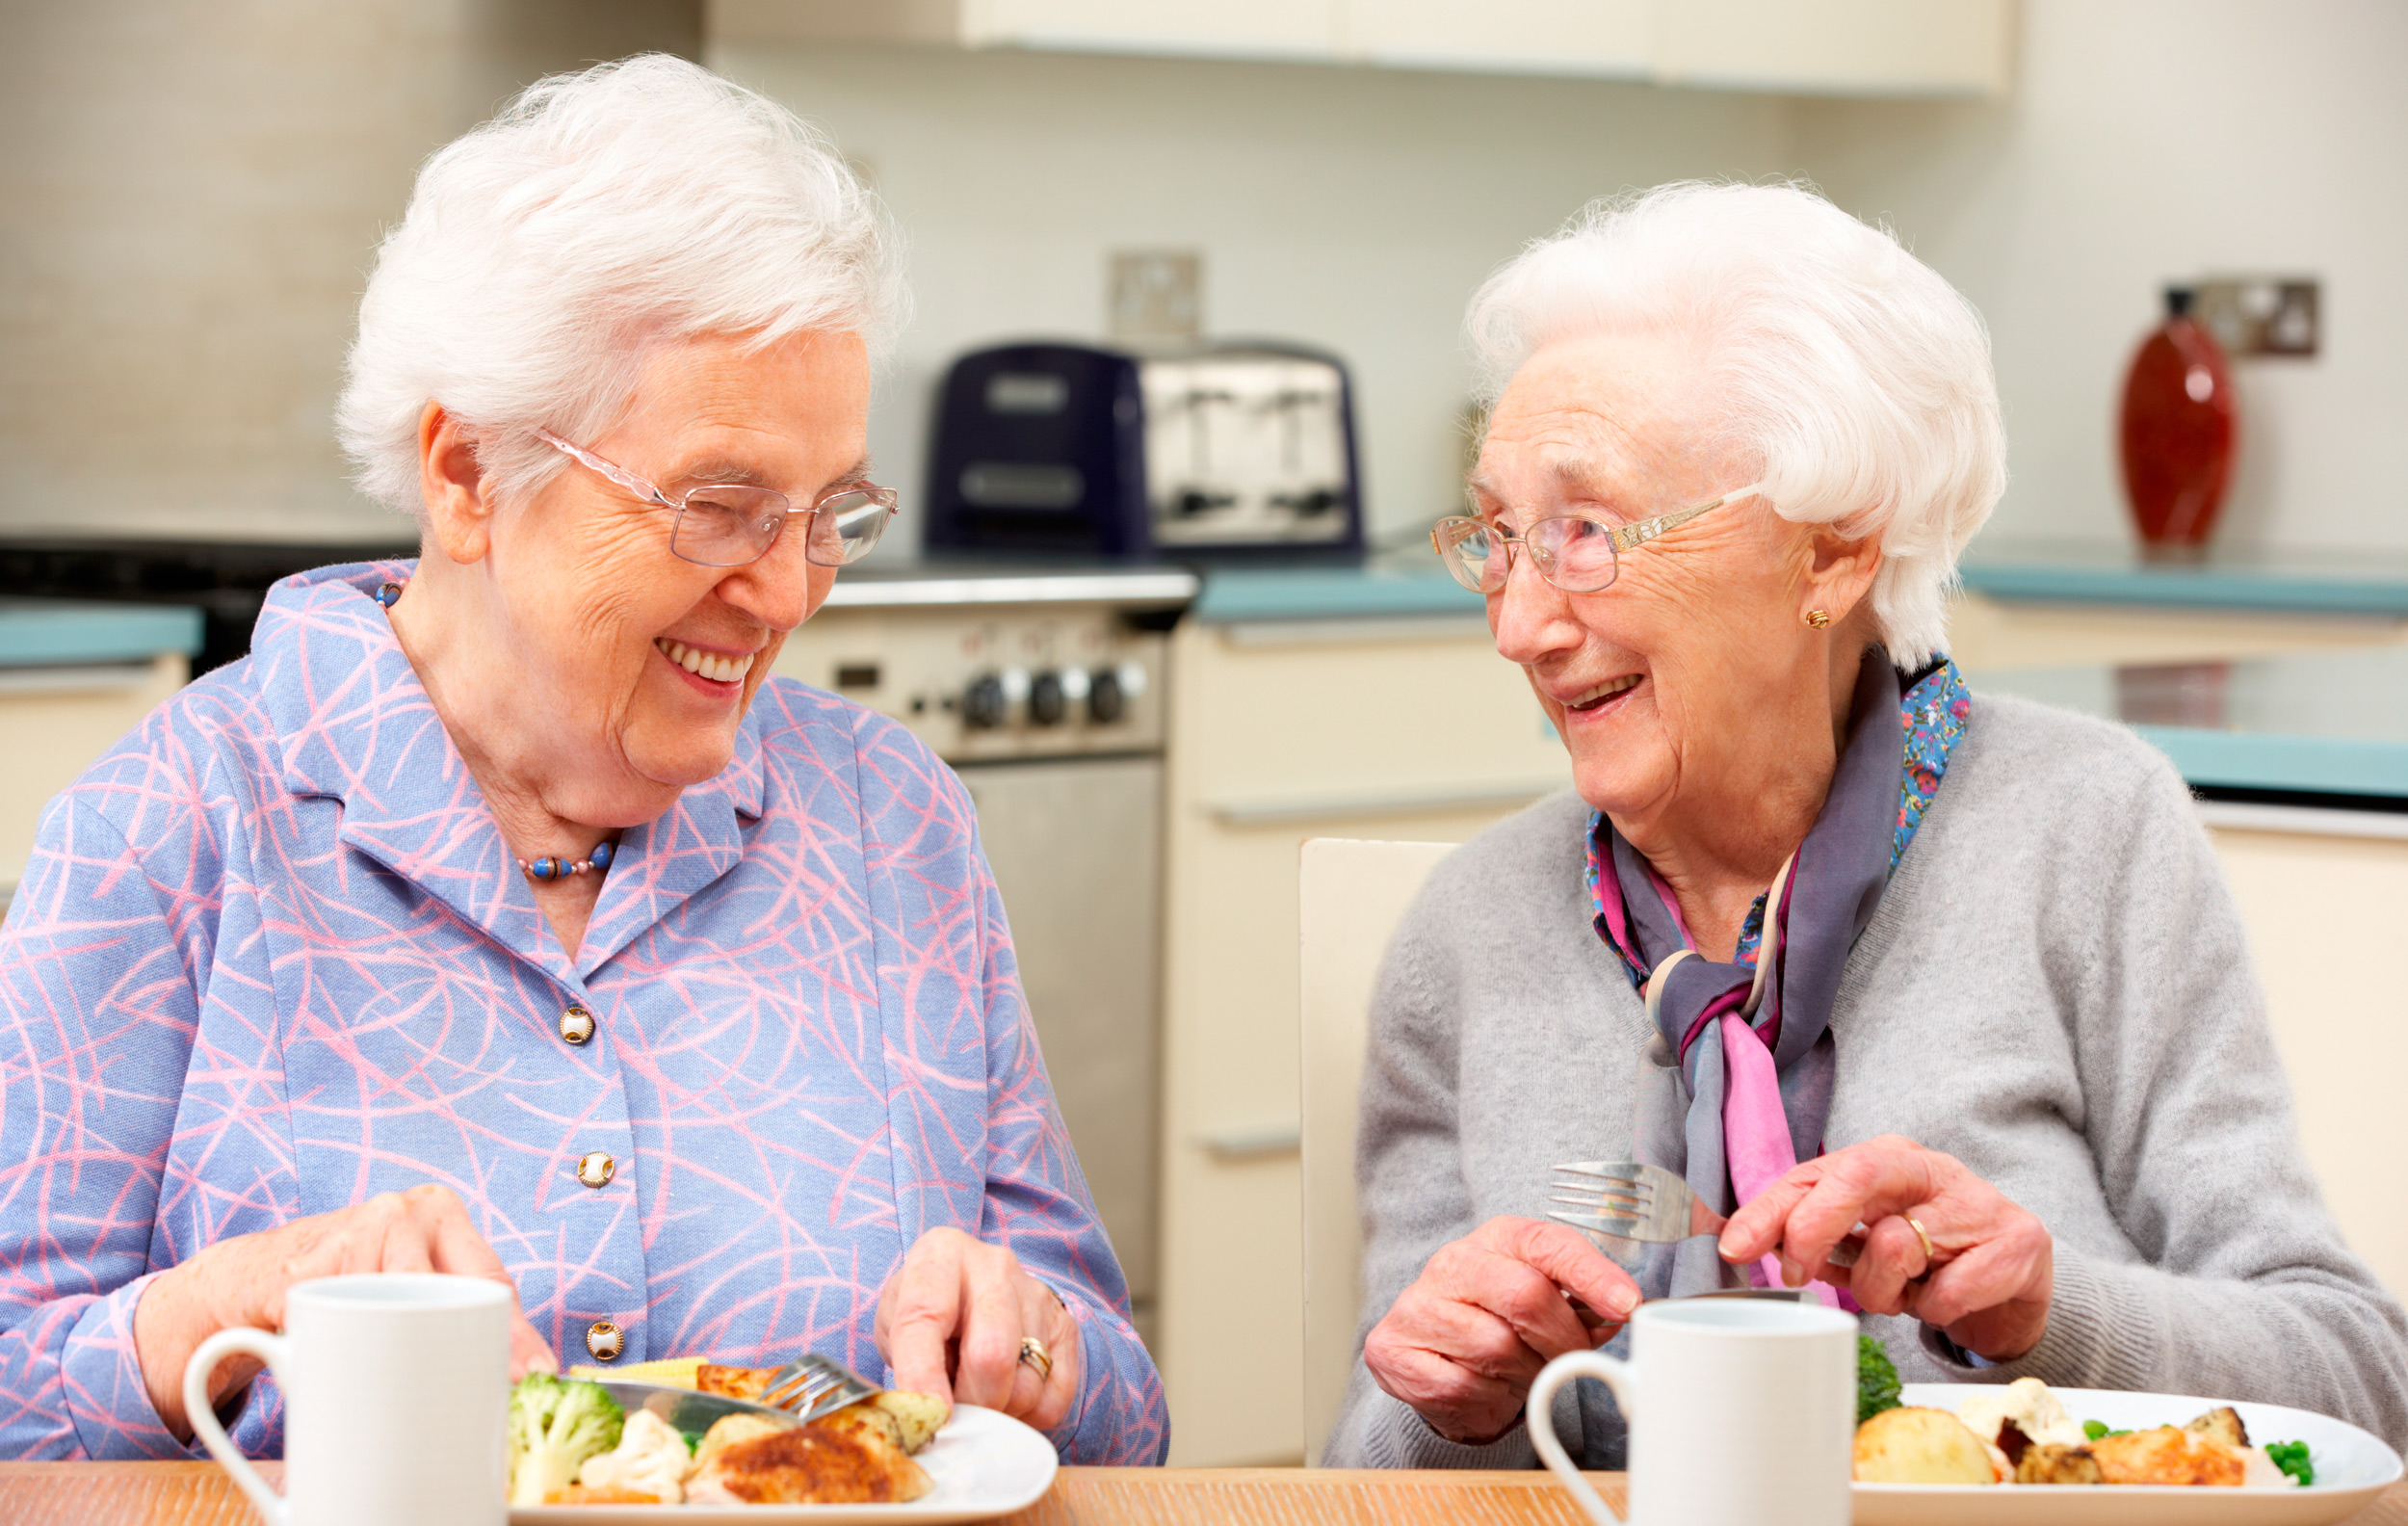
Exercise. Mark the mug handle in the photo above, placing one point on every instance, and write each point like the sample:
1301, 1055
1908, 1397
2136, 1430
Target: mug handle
1539, 1411
245, 1342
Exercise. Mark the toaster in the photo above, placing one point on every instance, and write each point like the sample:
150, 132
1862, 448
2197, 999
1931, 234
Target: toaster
1239, 450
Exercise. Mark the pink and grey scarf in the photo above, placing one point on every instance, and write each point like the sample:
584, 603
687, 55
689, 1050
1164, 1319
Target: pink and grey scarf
1733, 1100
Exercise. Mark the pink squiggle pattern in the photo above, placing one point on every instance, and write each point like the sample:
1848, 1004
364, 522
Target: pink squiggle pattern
272, 958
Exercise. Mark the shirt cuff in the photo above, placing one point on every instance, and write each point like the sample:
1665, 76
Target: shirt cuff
102, 1377
1397, 1436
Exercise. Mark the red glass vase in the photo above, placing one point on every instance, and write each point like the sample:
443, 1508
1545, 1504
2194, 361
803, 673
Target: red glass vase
2177, 433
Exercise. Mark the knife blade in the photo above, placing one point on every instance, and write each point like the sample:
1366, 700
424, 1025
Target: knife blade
687, 1410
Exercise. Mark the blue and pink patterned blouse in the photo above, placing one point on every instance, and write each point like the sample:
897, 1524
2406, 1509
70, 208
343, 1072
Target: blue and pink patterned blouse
272, 958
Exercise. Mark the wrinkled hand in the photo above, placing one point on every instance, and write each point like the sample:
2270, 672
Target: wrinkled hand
950, 1322
1463, 1344
1987, 1281
242, 1280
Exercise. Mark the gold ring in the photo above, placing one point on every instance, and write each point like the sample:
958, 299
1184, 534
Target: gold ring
1921, 1235
1032, 1351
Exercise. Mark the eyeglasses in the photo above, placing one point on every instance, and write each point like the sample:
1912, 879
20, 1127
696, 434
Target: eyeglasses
1579, 553
727, 524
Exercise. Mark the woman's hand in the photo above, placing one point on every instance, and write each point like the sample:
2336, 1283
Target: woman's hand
1463, 1344
242, 1280
950, 1319
1986, 1282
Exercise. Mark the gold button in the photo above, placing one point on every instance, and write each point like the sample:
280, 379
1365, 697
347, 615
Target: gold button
603, 1339
595, 1169
576, 1025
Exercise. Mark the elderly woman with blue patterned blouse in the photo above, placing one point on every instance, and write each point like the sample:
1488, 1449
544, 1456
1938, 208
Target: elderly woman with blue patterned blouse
500, 914
1936, 1000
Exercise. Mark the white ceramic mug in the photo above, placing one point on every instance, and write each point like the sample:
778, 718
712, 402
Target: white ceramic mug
1742, 1412
396, 1401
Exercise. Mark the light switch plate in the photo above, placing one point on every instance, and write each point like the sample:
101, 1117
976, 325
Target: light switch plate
2261, 315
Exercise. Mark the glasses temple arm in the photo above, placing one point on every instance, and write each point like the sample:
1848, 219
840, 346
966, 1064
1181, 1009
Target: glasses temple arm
587, 458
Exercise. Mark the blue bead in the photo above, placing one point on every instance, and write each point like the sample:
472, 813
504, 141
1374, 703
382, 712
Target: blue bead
388, 594
544, 868
601, 855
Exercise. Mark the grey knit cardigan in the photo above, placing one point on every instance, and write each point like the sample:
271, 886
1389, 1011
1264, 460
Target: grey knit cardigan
2056, 989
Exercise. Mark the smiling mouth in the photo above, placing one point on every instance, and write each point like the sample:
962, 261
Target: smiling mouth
1591, 699
713, 666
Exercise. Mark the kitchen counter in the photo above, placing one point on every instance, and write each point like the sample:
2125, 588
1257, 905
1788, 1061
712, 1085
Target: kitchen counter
2325, 729
61, 633
2368, 583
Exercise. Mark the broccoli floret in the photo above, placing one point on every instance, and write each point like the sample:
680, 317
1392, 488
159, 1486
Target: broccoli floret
2100, 1431
2291, 1456
556, 1424
1877, 1381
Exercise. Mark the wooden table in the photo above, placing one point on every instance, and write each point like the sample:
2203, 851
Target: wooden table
200, 1494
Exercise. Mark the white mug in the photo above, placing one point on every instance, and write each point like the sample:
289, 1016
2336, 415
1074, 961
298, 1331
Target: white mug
1742, 1412
396, 1401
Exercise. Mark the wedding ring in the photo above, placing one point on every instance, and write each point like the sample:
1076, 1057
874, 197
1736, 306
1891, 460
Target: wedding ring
1032, 1351
1920, 1234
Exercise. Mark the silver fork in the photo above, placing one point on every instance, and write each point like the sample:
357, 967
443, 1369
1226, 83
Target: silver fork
1634, 1201
814, 1385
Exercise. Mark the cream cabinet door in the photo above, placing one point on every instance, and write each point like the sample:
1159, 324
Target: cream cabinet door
55, 721
1402, 730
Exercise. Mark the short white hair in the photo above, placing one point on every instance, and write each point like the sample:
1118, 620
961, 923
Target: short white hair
601, 212
1855, 380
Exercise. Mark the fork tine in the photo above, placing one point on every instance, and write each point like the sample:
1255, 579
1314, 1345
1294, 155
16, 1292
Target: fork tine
1632, 1202
1592, 1205
1605, 1187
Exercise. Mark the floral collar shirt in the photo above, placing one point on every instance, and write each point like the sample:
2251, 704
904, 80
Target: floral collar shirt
273, 957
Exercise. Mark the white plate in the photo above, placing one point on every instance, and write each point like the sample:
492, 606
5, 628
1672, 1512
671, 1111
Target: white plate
2352, 1466
985, 1463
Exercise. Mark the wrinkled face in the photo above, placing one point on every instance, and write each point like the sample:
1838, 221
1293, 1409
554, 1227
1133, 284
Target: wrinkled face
603, 620
1669, 681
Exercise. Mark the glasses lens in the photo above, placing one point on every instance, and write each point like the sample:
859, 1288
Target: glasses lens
728, 526
1473, 552
1575, 552
844, 527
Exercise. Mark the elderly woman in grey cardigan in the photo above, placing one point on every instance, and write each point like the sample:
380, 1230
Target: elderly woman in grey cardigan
1950, 979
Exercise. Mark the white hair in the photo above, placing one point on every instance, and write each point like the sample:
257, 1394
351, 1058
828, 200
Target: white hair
1854, 379
601, 212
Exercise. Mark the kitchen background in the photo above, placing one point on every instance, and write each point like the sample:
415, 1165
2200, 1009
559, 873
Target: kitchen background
192, 194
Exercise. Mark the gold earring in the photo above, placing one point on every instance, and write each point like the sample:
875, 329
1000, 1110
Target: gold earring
1819, 618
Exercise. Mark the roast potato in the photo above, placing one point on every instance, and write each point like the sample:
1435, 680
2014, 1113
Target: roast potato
2045, 1462
1908, 1445
2222, 1425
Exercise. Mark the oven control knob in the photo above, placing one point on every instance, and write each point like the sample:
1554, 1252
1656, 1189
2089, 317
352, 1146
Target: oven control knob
1104, 702
983, 703
1047, 703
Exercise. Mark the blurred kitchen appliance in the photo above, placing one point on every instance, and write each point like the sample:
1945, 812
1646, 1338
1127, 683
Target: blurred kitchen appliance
1045, 693
1069, 450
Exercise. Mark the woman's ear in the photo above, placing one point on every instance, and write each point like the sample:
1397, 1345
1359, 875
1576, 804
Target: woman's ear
1839, 571
459, 519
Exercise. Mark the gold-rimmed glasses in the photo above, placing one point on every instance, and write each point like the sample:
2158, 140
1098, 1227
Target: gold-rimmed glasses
730, 524
1580, 552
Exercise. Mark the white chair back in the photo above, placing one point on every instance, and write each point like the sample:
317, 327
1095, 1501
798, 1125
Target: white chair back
1351, 896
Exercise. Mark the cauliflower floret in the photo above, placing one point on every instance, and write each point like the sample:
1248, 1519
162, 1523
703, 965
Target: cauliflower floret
2029, 1402
650, 1458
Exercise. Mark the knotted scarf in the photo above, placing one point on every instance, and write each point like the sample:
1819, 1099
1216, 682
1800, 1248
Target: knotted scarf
1736, 1087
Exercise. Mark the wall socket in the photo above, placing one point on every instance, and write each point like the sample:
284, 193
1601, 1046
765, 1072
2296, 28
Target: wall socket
2260, 315
1156, 296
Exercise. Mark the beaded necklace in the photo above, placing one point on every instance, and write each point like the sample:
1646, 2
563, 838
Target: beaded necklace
551, 867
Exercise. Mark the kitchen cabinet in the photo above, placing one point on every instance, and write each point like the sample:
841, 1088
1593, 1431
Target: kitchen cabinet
1838, 48
1402, 727
73, 679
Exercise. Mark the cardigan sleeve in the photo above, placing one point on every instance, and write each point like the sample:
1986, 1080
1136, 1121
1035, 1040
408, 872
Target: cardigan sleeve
2245, 1285
97, 1013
